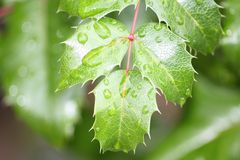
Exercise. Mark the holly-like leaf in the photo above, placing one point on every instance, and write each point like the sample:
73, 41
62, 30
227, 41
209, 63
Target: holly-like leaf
123, 110
29, 72
94, 50
93, 8
198, 21
161, 57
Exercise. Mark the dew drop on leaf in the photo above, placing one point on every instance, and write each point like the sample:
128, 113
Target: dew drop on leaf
127, 1
139, 86
158, 39
150, 94
106, 81
97, 129
134, 94
113, 21
150, 3
130, 105
140, 52
91, 60
147, 68
112, 111
179, 20
102, 30
142, 33
164, 2
157, 27
199, 2
82, 38
145, 109
107, 93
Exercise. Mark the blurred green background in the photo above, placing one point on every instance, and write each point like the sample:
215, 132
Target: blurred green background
37, 123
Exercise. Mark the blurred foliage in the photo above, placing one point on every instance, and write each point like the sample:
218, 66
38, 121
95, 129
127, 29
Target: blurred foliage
213, 122
30, 49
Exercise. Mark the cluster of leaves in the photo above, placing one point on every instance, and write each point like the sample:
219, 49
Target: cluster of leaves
124, 105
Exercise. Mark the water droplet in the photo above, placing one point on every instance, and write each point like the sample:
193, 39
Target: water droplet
145, 109
134, 94
130, 105
157, 27
13, 90
139, 63
188, 92
142, 33
97, 129
165, 3
139, 86
140, 52
147, 68
151, 94
89, 27
127, 1
91, 59
102, 30
113, 21
107, 93
106, 81
199, 2
179, 20
82, 38
112, 111
171, 38
150, 3
158, 39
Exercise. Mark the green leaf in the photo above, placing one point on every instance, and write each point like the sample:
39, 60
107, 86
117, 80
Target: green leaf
93, 8
198, 21
123, 110
161, 57
29, 72
94, 50
213, 118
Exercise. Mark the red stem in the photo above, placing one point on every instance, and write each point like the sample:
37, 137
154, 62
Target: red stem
135, 17
131, 37
131, 40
